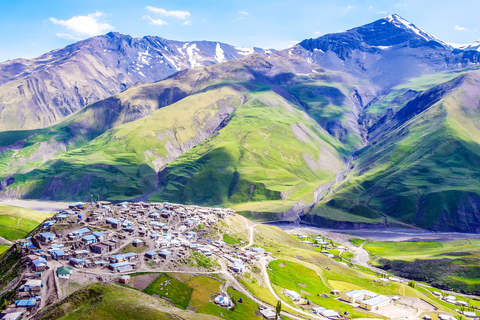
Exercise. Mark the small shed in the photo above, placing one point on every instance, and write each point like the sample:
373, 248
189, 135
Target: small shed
151, 254
165, 254
64, 272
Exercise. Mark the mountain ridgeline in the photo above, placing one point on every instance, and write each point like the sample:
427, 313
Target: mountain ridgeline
375, 126
35, 93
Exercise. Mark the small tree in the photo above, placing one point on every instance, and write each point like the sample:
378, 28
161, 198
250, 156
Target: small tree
411, 283
278, 309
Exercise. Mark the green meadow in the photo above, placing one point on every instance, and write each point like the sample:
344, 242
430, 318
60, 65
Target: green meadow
446, 264
196, 293
16, 222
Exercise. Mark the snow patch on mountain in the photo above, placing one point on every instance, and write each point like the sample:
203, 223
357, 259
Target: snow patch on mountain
172, 63
192, 56
404, 24
219, 54
472, 47
143, 57
244, 51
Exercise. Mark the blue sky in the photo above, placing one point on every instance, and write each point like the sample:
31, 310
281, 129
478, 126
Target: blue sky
29, 28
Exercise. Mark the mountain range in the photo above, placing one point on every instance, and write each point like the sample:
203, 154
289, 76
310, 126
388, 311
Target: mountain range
62, 81
375, 126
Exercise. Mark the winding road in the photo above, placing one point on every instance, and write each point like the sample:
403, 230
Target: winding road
266, 278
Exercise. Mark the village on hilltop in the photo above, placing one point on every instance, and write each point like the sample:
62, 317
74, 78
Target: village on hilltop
104, 242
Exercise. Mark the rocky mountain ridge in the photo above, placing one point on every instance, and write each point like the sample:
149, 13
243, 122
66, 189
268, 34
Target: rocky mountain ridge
35, 93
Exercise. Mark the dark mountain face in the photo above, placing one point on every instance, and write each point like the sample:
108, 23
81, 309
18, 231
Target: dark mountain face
387, 51
38, 92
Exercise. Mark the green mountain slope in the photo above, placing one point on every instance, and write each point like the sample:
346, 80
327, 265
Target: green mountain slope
123, 161
274, 136
421, 166
269, 150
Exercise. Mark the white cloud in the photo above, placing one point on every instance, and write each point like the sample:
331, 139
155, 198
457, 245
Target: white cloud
156, 22
68, 36
245, 13
458, 28
292, 43
382, 12
349, 7
183, 15
84, 25
187, 23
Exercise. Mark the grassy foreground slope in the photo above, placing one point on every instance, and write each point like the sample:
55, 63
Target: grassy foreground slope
113, 302
421, 166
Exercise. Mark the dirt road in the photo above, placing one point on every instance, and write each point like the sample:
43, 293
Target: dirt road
250, 235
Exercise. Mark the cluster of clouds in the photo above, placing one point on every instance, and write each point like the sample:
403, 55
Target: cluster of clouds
176, 14
94, 24
80, 26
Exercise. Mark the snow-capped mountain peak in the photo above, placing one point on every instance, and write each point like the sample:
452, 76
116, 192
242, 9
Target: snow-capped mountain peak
404, 24
472, 47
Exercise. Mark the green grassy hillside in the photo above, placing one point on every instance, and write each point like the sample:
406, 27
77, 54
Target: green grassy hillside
100, 301
271, 139
449, 265
269, 150
16, 222
124, 161
421, 166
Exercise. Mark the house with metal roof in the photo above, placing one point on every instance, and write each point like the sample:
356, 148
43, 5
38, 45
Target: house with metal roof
165, 253
119, 266
353, 296
47, 236
154, 215
57, 254
39, 264
292, 294
114, 222
89, 239
238, 266
268, 313
64, 272
13, 316
29, 304
330, 314
48, 224
375, 303
125, 257
77, 262
81, 232
151, 254
99, 235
